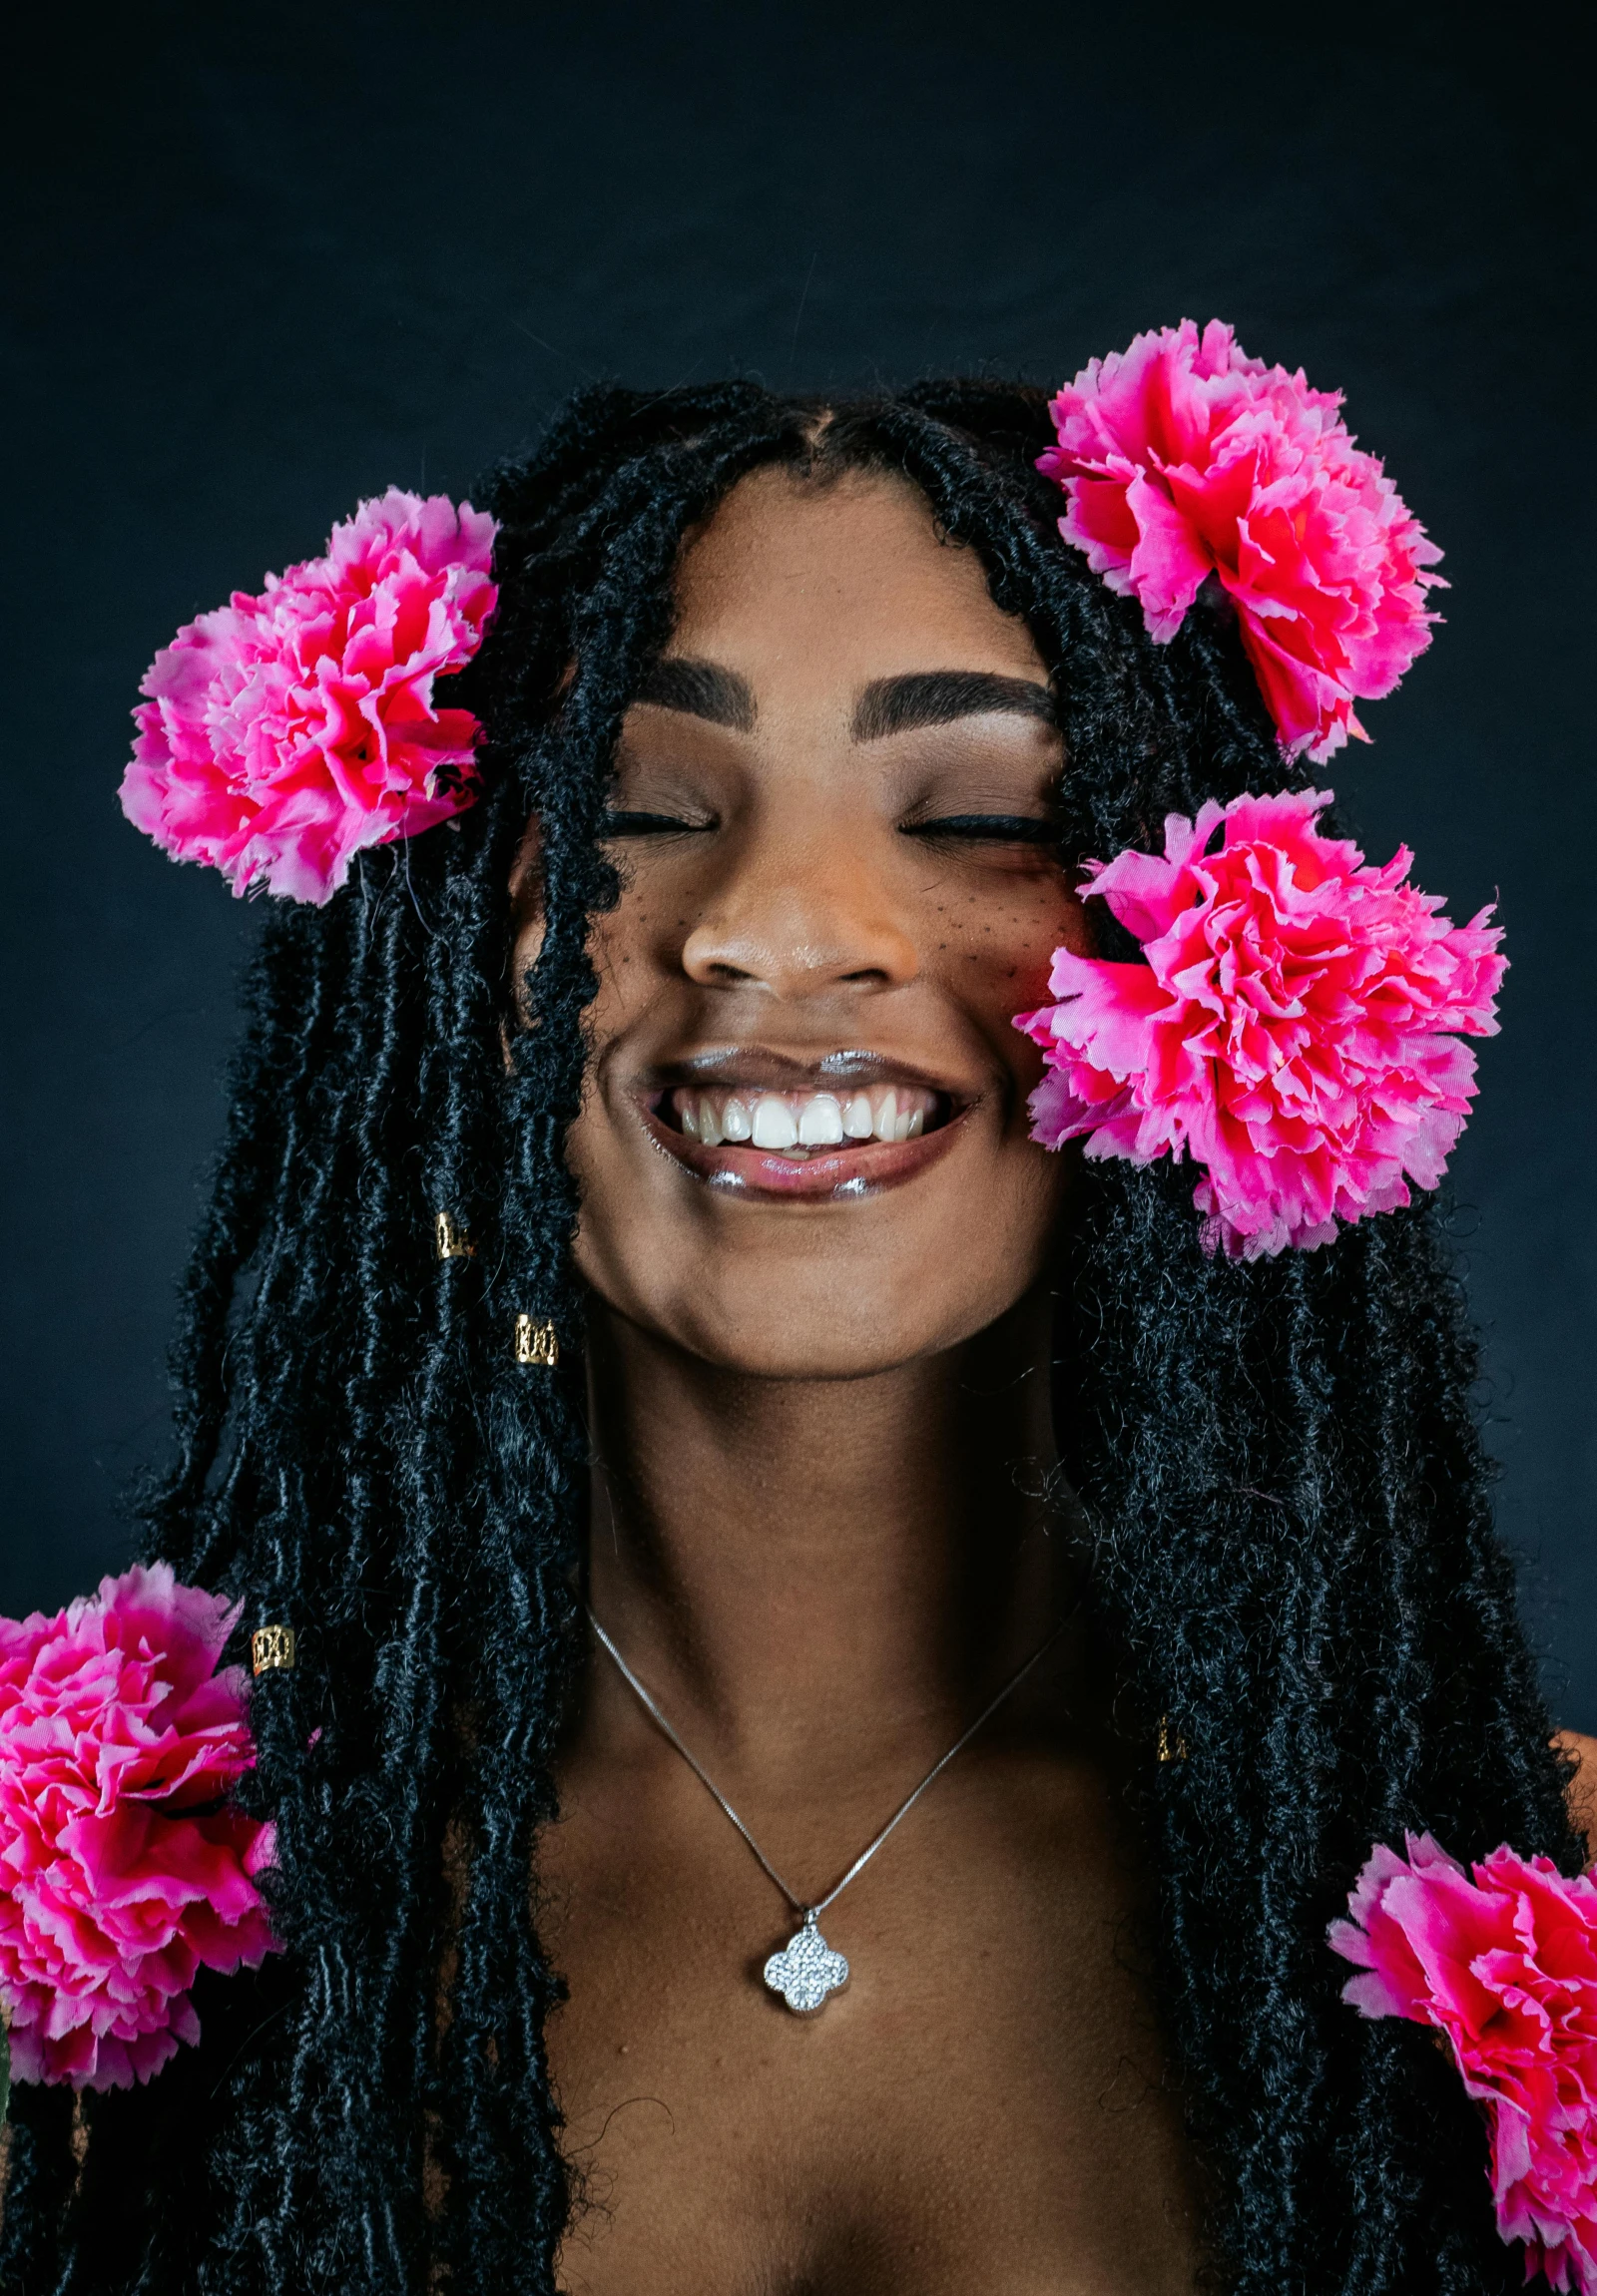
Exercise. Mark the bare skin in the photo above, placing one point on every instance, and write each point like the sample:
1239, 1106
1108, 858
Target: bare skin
822, 1431
1582, 1793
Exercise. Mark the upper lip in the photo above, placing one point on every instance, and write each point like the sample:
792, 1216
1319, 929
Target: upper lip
760, 1067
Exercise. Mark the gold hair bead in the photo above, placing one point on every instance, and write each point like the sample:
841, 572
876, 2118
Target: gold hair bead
454, 1242
536, 1343
1171, 1746
271, 1647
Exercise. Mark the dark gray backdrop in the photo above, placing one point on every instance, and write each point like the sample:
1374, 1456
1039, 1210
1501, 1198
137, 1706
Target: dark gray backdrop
271, 259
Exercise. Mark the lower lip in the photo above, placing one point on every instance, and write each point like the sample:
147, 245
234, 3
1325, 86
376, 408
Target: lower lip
846, 1177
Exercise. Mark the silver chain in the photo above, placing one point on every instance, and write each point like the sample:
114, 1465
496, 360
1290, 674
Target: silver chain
801, 1906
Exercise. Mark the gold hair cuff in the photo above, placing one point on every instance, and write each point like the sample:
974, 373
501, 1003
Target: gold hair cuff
454, 1242
270, 1647
536, 1343
1171, 1745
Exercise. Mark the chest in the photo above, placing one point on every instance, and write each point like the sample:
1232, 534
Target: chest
984, 2107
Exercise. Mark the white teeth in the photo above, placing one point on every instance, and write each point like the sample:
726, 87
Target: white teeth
820, 1122
775, 1124
798, 1124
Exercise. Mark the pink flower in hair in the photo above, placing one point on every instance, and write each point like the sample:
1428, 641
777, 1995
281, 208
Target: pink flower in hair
284, 734
1291, 1027
122, 1870
1182, 457
1504, 1964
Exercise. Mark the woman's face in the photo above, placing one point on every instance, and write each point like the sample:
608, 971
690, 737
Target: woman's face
804, 1151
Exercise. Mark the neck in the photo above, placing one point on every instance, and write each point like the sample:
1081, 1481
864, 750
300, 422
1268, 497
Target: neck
876, 1550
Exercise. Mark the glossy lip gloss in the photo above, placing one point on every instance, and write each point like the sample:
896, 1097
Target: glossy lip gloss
856, 1170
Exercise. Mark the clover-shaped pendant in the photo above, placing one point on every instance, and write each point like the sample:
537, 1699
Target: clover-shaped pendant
806, 1970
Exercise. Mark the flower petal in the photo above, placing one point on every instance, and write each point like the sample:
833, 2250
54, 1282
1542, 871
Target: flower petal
1503, 1961
1182, 456
287, 732
124, 1869
1292, 1026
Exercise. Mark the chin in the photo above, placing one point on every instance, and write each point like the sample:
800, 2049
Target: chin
837, 1315
866, 1353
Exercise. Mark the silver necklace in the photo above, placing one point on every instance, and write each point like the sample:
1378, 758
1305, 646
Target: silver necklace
806, 1971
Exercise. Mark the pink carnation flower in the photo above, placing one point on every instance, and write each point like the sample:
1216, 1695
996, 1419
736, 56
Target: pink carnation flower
1505, 1965
1182, 458
1291, 1026
120, 1874
284, 732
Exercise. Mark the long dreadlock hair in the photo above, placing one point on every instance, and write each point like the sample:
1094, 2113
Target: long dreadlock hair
1290, 1541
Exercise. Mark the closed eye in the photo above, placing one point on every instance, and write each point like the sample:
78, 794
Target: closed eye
623, 824
988, 828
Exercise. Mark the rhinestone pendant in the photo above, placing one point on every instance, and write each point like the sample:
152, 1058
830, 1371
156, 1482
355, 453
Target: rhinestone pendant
807, 1970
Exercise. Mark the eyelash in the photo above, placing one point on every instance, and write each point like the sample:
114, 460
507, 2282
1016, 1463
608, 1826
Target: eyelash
621, 824
970, 828
988, 829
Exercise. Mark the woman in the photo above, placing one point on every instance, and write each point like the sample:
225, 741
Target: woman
684, 1055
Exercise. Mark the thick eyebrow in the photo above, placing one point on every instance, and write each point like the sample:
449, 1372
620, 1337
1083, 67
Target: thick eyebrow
701, 689
936, 697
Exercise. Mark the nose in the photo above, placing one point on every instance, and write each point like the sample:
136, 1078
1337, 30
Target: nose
801, 919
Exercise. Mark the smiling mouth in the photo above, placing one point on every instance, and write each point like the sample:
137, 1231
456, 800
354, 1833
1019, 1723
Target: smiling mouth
848, 1136
801, 1124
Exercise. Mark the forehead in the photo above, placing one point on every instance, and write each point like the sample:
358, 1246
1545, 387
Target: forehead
844, 582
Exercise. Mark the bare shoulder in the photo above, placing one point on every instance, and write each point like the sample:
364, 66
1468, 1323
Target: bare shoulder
1583, 1785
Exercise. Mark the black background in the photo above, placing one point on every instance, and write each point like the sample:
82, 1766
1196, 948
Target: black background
269, 259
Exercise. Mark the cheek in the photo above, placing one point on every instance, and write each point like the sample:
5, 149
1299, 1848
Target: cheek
993, 950
626, 961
